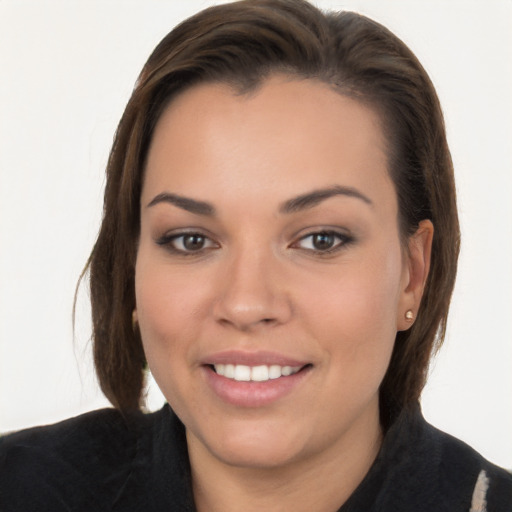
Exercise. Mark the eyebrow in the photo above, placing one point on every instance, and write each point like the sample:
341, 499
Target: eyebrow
311, 199
185, 203
296, 204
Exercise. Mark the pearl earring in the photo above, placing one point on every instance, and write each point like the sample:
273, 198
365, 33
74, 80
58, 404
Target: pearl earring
409, 315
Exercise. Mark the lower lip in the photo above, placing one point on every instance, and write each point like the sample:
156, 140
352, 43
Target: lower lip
253, 394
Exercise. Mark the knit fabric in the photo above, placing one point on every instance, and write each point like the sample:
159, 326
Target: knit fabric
103, 461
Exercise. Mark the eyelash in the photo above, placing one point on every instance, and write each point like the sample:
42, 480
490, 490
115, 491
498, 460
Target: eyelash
343, 241
169, 242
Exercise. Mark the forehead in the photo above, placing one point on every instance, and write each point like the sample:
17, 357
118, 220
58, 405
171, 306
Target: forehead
287, 135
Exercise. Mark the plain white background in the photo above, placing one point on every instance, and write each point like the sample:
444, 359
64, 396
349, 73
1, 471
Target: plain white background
66, 71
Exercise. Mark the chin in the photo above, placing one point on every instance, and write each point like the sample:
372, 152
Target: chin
255, 446
255, 456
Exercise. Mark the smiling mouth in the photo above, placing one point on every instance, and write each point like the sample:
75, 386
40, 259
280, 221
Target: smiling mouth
260, 373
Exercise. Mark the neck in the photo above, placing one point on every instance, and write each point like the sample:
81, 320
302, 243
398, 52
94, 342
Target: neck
321, 482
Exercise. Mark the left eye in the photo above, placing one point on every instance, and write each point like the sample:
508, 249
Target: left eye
324, 241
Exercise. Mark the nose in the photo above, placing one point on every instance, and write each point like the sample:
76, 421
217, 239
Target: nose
252, 292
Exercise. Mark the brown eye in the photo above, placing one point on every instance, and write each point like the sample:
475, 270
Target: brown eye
323, 241
187, 243
193, 242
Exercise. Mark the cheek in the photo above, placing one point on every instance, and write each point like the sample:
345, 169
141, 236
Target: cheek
167, 319
167, 308
354, 312
364, 293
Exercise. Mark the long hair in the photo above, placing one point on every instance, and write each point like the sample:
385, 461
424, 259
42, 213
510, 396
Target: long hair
241, 44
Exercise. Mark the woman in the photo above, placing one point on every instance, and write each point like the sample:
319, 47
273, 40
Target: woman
279, 246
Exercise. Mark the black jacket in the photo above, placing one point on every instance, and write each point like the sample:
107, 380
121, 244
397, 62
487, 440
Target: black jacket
102, 461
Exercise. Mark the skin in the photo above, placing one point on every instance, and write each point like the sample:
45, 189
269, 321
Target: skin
259, 282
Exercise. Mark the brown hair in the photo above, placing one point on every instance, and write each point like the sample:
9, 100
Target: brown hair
241, 44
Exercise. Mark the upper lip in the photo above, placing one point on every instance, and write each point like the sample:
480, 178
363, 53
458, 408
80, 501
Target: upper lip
257, 358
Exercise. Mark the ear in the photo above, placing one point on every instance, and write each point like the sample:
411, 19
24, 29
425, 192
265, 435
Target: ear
416, 268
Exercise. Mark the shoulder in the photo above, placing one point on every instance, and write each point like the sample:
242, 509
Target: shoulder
423, 469
461, 468
47, 467
101, 432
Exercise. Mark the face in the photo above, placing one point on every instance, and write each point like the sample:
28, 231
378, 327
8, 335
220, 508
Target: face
270, 278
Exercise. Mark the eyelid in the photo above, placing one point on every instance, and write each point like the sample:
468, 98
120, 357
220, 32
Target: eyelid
167, 241
344, 239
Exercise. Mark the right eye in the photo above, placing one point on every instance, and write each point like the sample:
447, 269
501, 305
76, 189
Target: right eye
187, 243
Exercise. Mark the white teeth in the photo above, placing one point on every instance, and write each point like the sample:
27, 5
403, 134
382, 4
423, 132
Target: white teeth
262, 373
242, 372
274, 372
229, 371
287, 370
259, 373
